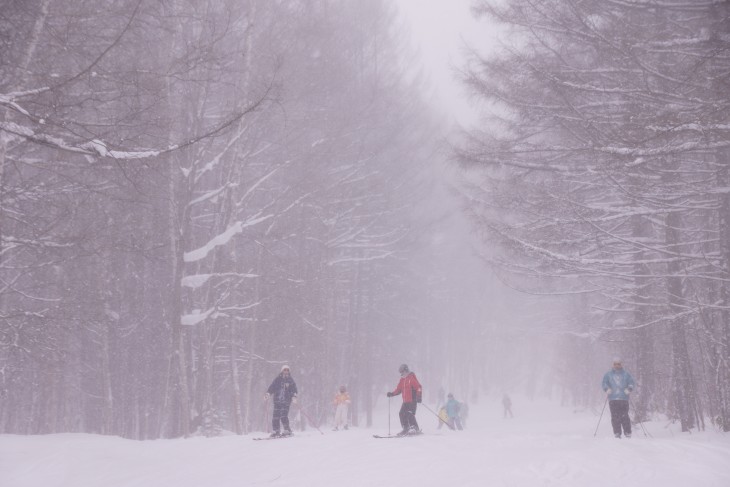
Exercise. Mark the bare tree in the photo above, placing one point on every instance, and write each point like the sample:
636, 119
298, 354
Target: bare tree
608, 114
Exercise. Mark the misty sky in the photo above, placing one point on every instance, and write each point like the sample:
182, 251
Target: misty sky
440, 31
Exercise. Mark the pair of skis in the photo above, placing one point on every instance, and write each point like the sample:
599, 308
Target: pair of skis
279, 437
398, 436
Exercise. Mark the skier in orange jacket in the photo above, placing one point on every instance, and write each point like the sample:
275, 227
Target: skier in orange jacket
342, 402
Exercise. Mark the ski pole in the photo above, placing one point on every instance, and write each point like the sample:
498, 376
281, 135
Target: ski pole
389, 398
439, 417
640, 422
301, 410
266, 413
600, 417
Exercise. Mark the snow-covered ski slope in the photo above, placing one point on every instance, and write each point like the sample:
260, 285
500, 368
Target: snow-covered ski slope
544, 445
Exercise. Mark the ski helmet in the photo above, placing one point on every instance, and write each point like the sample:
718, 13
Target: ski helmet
403, 369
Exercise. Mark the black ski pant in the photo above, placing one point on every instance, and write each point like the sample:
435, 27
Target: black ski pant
620, 416
407, 416
281, 414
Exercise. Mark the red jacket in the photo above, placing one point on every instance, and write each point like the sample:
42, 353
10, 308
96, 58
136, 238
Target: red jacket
410, 387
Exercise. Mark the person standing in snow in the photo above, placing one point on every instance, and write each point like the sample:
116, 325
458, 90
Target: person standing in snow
342, 402
452, 411
507, 404
618, 384
412, 395
284, 391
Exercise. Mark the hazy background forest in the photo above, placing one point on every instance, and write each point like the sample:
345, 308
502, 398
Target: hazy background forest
193, 193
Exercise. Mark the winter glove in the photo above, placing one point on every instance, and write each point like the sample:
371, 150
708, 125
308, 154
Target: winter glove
267, 396
419, 397
390, 394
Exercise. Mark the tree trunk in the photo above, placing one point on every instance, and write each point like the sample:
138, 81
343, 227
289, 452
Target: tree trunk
179, 379
367, 362
683, 386
722, 347
107, 417
235, 378
252, 328
644, 340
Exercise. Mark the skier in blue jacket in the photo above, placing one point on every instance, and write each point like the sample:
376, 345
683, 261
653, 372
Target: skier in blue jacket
618, 384
452, 410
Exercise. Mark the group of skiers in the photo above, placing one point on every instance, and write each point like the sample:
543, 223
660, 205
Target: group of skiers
617, 384
283, 390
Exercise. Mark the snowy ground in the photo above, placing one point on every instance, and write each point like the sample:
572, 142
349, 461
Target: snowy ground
544, 445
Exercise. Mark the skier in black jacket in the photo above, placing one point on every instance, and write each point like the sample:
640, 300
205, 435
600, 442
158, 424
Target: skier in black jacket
284, 392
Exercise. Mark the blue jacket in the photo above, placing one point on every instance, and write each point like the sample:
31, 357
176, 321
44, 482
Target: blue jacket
617, 381
452, 408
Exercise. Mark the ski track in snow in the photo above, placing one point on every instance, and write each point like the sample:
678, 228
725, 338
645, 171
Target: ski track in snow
546, 446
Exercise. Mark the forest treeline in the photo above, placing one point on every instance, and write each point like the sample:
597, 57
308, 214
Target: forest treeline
193, 193
601, 174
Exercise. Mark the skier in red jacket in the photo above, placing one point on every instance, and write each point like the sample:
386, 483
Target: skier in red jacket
412, 394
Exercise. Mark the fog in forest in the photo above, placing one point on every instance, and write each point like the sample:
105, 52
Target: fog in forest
502, 194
